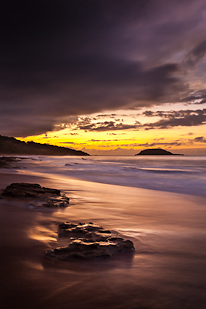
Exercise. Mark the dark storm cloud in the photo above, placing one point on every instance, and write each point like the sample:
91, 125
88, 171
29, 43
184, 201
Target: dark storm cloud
197, 97
106, 126
63, 58
168, 119
178, 118
195, 55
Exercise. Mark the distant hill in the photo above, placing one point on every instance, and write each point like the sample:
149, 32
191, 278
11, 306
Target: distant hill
10, 145
155, 152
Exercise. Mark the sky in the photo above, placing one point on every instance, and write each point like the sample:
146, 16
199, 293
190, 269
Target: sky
107, 77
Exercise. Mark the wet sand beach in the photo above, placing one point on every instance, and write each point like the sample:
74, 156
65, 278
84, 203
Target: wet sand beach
166, 271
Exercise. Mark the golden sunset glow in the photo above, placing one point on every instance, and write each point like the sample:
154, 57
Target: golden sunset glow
125, 132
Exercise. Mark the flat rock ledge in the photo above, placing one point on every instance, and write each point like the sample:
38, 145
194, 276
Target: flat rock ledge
45, 197
88, 242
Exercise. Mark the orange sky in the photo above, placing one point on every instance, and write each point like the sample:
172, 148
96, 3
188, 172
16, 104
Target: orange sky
126, 132
106, 77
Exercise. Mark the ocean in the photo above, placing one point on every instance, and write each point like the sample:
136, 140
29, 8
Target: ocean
179, 174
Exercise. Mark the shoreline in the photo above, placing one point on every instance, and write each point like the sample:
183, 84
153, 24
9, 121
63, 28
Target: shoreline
168, 244
182, 177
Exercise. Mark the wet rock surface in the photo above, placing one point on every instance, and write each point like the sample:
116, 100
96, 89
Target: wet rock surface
8, 162
46, 197
88, 242
23, 189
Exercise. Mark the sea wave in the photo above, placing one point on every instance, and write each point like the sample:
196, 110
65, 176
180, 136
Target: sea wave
181, 175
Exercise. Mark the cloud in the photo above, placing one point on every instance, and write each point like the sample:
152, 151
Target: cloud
106, 126
178, 118
168, 119
72, 143
200, 139
113, 133
104, 140
68, 58
154, 144
68, 143
197, 97
195, 55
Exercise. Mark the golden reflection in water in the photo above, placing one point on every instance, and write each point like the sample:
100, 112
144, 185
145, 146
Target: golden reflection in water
60, 290
33, 265
43, 234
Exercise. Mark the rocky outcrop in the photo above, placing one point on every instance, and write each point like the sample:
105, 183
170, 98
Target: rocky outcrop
88, 242
8, 162
23, 189
46, 197
156, 152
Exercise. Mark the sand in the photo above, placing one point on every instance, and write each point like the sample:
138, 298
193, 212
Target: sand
166, 271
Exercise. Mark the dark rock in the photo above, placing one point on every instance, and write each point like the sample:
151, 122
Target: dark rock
105, 231
92, 245
62, 201
46, 197
155, 152
70, 229
23, 189
8, 162
67, 225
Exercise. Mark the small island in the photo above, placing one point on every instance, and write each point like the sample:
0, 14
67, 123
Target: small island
156, 152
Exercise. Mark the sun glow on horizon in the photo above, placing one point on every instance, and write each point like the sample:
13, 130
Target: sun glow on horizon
128, 132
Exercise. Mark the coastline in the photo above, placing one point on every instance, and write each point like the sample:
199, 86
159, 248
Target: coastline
165, 272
